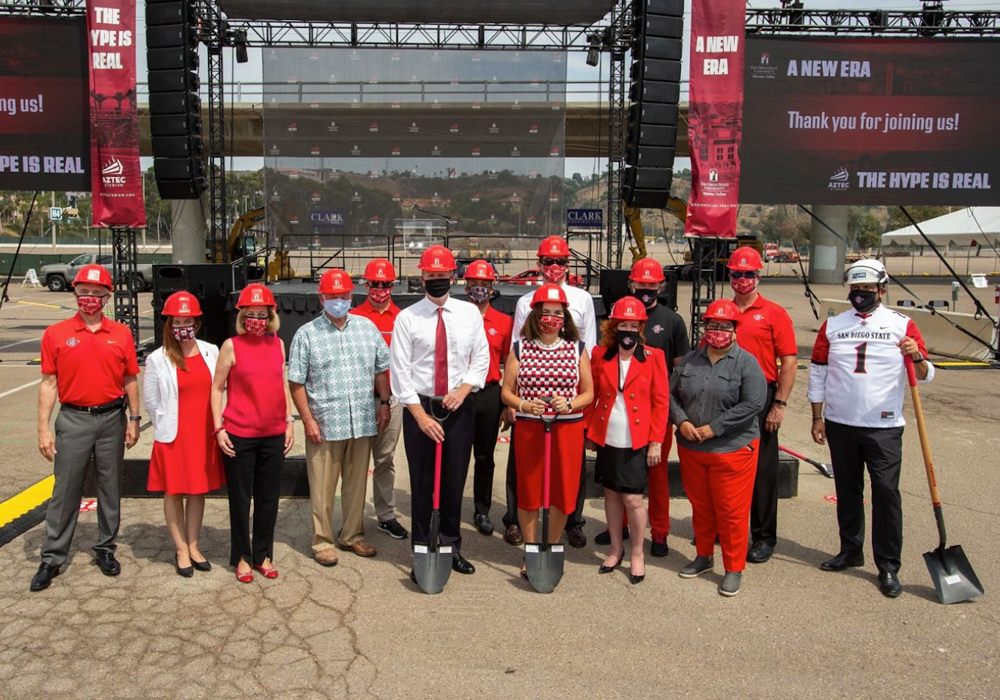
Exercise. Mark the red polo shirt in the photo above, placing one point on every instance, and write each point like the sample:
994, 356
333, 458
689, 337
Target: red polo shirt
383, 320
765, 331
90, 367
499, 328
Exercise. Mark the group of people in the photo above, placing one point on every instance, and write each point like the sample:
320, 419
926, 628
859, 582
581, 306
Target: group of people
449, 375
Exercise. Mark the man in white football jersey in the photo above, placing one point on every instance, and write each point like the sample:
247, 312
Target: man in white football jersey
856, 386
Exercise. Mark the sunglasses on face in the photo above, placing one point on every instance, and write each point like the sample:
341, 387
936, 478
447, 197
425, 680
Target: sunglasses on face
718, 327
554, 261
738, 275
93, 296
380, 285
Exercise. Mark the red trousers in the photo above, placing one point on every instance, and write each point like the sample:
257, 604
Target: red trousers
720, 488
659, 492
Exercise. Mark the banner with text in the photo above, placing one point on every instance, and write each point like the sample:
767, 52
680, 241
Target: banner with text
116, 176
43, 108
834, 120
715, 116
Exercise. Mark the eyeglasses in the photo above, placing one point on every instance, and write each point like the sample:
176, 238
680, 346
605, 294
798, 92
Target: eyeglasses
380, 285
739, 274
554, 261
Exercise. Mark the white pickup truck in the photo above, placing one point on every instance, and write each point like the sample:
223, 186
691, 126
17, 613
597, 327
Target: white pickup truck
59, 276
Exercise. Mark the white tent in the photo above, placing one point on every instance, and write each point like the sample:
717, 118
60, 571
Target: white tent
964, 227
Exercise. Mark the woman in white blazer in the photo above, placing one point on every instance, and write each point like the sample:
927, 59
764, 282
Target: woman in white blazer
186, 461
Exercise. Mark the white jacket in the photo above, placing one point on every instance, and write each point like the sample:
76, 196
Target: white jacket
159, 388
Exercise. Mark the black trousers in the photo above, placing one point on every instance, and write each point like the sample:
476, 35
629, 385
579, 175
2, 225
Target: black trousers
487, 421
881, 450
456, 451
764, 504
575, 519
254, 473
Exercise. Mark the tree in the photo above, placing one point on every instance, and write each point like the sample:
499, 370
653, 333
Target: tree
863, 228
898, 220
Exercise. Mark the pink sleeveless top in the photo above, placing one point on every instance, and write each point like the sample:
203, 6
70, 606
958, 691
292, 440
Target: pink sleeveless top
255, 389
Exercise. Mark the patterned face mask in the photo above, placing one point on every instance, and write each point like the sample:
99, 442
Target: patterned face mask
183, 333
744, 285
89, 306
479, 295
720, 340
378, 295
255, 326
554, 273
551, 324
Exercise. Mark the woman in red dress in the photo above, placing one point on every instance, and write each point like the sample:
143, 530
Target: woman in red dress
548, 369
186, 463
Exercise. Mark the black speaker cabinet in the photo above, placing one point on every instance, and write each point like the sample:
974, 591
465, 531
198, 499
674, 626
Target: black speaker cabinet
212, 284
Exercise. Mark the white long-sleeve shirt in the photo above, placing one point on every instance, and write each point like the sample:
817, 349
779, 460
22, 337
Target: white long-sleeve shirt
581, 305
411, 355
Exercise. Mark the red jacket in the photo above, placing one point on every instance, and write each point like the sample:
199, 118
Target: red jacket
647, 394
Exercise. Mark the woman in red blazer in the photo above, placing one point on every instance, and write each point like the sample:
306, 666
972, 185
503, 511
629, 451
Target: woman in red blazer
626, 423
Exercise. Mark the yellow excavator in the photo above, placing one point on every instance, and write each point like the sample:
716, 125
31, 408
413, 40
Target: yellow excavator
676, 207
243, 242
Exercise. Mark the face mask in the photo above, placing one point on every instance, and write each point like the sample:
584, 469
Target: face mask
627, 339
646, 296
554, 273
744, 285
437, 288
479, 295
337, 308
182, 334
720, 340
89, 306
551, 324
255, 326
863, 300
379, 296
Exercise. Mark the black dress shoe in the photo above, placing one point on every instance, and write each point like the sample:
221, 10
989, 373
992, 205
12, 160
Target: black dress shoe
659, 547
576, 538
109, 565
843, 561
41, 580
604, 538
202, 565
185, 571
760, 552
483, 524
608, 569
461, 565
513, 536
636, 579
888, 583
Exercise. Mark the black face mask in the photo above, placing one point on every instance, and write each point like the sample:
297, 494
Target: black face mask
437, 288
627, 339
646, 296
863, 300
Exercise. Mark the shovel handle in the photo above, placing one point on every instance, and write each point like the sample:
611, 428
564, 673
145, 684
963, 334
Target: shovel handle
437, 475
925, 446
547, 479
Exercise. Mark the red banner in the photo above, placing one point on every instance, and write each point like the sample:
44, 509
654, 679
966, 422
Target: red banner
116, 175
715, 116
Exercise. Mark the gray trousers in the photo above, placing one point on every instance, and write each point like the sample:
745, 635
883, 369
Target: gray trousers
78, 436
384, 468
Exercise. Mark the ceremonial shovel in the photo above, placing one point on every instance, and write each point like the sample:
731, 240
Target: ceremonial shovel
824, 469
543, 561
432, 563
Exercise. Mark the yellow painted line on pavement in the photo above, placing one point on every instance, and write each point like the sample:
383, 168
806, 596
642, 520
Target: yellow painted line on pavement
47, 306
27, 500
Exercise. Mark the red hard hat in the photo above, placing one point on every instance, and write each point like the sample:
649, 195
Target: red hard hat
94, 274
480, 270
628, 309
335, 282
549, 292
722, 310
745, 259
647, 270
553, 247
181, 304
380, 270
437, 258
255, 295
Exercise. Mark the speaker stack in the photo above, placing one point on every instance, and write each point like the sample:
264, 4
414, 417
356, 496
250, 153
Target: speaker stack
212, 284
657, 49
174, 104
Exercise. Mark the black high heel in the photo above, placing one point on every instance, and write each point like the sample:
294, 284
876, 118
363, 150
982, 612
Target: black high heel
186, 572
636, 579
524, 571
608, 569
202, 565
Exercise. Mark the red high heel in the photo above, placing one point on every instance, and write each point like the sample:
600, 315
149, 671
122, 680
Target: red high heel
268, 573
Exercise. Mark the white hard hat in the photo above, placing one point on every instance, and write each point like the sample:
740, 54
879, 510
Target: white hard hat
866, 272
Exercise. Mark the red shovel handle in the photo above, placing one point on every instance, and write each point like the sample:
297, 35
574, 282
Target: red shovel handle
547, 480
925, 446
437, 475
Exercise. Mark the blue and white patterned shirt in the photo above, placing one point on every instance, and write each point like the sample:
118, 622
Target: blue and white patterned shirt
338, 368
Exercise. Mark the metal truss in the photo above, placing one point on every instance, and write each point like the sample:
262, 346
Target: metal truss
127, 282
215, 37
44, 8
620, 36
924, 22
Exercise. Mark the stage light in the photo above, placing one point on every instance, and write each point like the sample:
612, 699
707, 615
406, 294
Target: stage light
594, 52
240, 43
931, 18
878, 19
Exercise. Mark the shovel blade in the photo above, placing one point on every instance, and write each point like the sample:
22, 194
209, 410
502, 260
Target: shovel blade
432, 567
954, 579
545, 565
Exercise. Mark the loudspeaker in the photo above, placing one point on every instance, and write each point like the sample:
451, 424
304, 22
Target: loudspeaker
175, 125
651, 157
178, 147
613, 286
178, 168
170, 103
212, 285
182, 189
176, 80
650, 69
643, 114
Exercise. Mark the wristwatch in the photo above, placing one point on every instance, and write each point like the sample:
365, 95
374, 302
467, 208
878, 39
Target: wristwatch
779, 402
385, 402
135, 418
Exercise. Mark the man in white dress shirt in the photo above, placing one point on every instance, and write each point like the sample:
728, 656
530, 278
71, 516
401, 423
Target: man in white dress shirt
439, 348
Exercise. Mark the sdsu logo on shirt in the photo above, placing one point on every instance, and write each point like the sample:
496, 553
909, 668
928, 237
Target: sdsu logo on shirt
72, 342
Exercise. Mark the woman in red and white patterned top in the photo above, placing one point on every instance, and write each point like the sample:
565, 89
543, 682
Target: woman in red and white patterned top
548, 370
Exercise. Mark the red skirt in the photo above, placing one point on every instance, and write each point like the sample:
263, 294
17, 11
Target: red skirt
192, 463
529, 462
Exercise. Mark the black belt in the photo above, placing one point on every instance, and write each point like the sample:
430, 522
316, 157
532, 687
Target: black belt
116, 405
491, 384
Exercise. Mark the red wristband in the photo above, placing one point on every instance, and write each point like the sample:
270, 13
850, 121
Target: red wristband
218, 430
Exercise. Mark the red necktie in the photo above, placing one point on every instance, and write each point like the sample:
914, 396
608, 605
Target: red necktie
441, 357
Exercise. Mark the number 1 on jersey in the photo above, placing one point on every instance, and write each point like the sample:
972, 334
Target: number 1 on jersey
859, 367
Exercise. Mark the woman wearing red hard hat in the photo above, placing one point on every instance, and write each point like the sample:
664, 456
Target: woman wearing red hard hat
256, 429
626, 424
715, 395
548, 370
186, 460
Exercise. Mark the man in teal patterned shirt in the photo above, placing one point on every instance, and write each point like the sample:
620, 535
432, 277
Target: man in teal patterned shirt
331, 364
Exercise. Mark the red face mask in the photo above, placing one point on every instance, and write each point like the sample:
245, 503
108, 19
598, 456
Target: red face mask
744, 285
720, 340
255, 326
551, 324
90, 306
183, 333
554, 273
379, 296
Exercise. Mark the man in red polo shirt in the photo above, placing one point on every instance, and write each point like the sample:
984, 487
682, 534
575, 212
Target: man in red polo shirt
765, 331
479, 279
380, 276
89, 364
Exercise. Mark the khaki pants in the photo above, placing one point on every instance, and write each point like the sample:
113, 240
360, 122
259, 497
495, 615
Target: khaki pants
325, 464
383, 468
